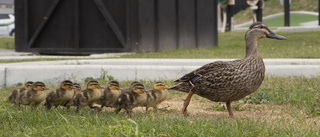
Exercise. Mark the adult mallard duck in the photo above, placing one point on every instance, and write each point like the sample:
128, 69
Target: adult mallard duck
227, 81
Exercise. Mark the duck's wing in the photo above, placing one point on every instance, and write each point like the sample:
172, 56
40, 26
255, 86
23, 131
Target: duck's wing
217, 66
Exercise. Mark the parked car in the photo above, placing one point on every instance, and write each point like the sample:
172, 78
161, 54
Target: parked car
7, 24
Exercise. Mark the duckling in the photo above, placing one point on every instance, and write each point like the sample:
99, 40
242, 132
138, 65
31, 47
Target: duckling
130, 87
158, 94
34, 95
60, 96
227, 81
131, 99
15, 92
88, 96
77, 88
110, 94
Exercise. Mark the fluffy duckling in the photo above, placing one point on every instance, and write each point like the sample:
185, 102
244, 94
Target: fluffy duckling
60, 96
131, 99
15, 92
155, 96
77, 88
88, 96
34, 95
110, 94
130, 87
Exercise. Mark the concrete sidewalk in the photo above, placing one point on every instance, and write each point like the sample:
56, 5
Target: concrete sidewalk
135, 69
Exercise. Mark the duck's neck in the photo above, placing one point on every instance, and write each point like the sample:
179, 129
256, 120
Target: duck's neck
251, 47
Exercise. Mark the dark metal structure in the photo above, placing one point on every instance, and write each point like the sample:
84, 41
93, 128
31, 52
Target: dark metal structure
97, 26
286, 13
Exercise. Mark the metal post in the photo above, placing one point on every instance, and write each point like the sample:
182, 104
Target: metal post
258, 12
215, 22
286, 13
229, 24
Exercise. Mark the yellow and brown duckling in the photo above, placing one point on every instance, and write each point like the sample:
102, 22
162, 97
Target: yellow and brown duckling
131, 99
15, 92
60, 96
88, 96
77, 87
155, 96
130, 87
34, 95
110, 94
227, 81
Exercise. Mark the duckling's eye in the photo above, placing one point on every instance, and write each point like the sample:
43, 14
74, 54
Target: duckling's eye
93, 84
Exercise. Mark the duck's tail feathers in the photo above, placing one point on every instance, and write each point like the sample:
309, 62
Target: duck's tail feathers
181, 86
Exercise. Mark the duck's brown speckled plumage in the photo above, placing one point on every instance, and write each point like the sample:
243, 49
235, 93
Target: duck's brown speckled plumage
227, 81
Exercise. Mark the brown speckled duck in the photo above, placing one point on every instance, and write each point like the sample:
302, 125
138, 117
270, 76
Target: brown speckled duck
155, 96
131, 99
60, 96
15, 92
34, 95
227, 81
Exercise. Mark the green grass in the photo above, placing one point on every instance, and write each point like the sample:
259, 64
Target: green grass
273, 6
6, 43
295, 20
297, 95
232, 45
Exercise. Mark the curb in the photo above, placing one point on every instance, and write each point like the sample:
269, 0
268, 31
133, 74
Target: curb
53, 72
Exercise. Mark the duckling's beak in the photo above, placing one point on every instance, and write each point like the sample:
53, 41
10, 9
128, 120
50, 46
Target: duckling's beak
100, 87
45, 88
146, 90
166, 87
275, 36
119, 88
73, 87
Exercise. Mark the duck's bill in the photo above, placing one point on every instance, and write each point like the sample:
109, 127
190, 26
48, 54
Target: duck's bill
275, 36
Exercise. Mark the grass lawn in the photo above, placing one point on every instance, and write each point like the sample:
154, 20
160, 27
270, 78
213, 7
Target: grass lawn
295, 20
6, 43
281, 107
232, 45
